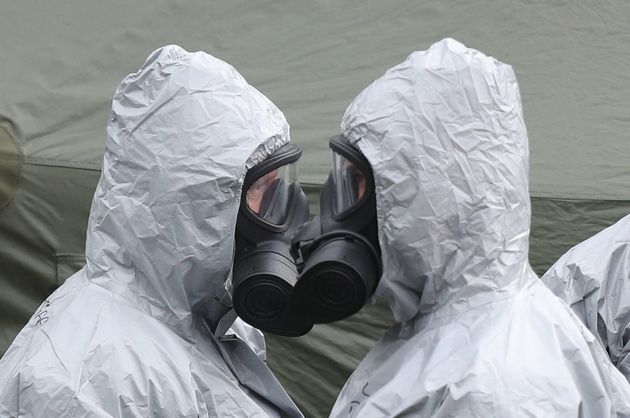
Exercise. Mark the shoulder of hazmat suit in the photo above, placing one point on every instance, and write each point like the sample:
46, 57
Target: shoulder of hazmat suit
593, 278
477, 333
141, 330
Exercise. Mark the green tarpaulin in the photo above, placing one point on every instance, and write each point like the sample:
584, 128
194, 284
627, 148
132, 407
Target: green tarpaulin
61, 61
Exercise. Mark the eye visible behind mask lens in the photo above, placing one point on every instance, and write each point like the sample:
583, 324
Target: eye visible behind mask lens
337, 253
272, 209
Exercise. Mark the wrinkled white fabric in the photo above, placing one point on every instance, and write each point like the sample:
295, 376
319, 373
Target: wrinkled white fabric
594, 279
253, 337
131, 334
478, 335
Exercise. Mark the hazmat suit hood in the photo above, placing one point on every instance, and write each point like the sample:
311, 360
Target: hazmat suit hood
477, 335
593, 278
182, 133
451, 176
144, 329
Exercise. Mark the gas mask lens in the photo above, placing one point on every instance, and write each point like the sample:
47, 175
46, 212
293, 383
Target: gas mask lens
268, 197
349, 183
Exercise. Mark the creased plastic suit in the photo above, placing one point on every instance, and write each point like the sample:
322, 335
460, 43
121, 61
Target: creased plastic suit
141, 330
477, 333
594, 279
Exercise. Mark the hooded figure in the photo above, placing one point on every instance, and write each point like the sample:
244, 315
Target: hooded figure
594, 279
477, 333
142, 329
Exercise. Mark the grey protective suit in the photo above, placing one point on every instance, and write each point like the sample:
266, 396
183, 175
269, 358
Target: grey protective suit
478, 334
594, 279
141, 331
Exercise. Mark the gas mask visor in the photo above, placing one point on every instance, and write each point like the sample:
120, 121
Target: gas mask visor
337, 253
273, 206
348, 183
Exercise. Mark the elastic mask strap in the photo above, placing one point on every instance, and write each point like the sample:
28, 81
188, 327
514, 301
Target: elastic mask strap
218, 313
225, 323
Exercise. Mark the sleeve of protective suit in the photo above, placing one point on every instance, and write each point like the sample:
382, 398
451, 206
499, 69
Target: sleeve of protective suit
594, 279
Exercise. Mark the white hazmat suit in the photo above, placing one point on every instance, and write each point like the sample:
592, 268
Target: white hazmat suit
477, 333
594, 279
141, 331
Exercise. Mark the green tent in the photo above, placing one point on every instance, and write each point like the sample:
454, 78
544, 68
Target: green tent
61, 61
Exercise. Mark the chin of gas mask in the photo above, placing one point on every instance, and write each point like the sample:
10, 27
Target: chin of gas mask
337, 253
273, 207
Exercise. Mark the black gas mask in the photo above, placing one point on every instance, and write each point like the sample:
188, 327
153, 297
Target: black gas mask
337, 253
273, 207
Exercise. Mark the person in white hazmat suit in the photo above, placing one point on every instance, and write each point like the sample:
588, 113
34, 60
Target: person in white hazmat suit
593, 278
477, 333
141, 331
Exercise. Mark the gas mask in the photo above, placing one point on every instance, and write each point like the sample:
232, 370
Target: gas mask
273, 207
337, 253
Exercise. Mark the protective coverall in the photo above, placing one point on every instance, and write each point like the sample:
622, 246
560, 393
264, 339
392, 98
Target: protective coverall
594, 279
477, 333
141, 331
